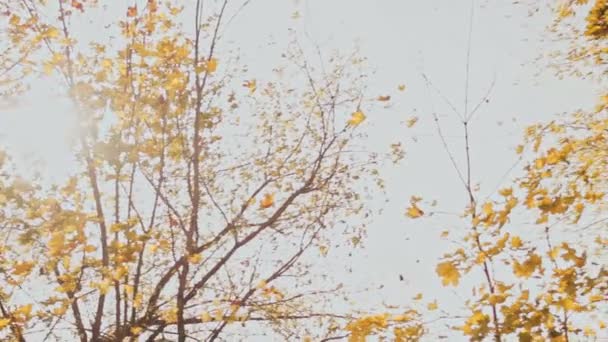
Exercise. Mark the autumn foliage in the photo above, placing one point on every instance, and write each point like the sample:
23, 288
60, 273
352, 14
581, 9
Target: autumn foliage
207, 192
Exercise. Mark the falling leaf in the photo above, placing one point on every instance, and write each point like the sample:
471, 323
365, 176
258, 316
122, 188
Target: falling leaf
384, 98
401, 87
414, 212
267, 201
251, 85
132, 11
356, 118
432, 306
77, 5
411, 122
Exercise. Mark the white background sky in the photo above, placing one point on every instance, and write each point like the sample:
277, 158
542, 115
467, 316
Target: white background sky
401, 39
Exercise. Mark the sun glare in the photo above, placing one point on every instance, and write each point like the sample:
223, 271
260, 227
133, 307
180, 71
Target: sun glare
38, 132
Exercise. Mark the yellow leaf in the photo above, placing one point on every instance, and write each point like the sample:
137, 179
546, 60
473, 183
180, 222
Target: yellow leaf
401, 87
542, 219
448, 272
432, 306
90, 248
25, 310
528, 267
488, 208
267, 201
56, 243
60, 311
51, 33
564, 10
169, 316
195, 258
596, 298
104, 286
4, 322
251, 85
262, 284
414, 212
135, 330
411, 122
206, 317
516, 242
384, 98
14, 20
356, 118
219, 315
211, 65
23, 268
497, 299
506, 192
418, 296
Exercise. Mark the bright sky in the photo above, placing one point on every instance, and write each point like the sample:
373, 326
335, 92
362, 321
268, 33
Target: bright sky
402, 39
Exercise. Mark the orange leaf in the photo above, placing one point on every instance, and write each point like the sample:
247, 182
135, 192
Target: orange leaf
132, 11
267, 201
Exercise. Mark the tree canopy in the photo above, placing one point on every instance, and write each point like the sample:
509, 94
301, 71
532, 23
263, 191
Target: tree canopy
207, 194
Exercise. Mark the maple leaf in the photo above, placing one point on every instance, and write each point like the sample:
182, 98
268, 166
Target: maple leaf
448, 272
516, 242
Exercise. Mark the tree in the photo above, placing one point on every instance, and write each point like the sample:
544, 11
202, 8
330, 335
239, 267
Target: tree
547, 281
202, 191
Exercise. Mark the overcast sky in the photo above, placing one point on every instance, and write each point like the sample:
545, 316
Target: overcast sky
402, 39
